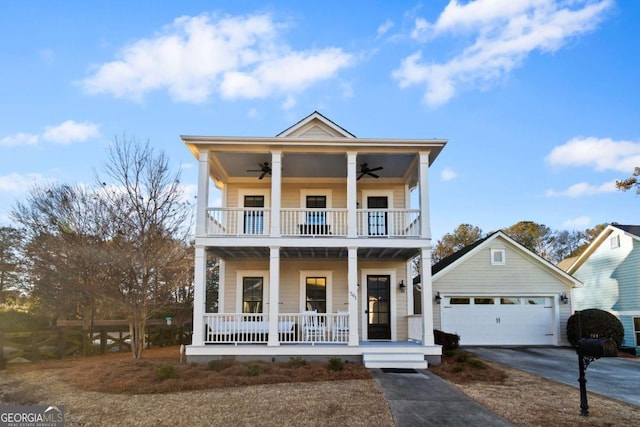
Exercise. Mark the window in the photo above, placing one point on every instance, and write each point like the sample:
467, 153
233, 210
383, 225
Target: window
535, 300
316, 217
316, 294
615, 241
498, 257
636, 329
509, 301
483, 301
460, 301
252, 291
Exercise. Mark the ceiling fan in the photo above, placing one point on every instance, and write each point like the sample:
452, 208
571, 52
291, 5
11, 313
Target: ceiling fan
365, 170
264, 169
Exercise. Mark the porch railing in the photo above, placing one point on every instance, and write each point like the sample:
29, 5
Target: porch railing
252, 222
293, 328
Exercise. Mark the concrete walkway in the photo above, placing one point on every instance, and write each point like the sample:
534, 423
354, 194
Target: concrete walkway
424, 399
615, 377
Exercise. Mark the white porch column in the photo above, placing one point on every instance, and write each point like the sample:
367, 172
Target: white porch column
221, 285
276, 192
352, 279
427, 296
425, 220
199, 288
274, 295
203, 193
352, 206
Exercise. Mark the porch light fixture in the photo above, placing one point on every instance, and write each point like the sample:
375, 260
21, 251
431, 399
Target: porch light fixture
438, 298
564, 298
402, 286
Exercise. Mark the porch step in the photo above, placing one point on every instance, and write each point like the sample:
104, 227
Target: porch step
397, 360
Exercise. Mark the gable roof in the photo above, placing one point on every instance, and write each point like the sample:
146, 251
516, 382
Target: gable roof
330, 127
632, 231
452, 261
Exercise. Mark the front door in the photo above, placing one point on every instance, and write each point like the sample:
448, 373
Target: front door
377, 217
379, 307
254, 219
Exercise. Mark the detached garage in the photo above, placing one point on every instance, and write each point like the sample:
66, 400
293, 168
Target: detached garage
497, 292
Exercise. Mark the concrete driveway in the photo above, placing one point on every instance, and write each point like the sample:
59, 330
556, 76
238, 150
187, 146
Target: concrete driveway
614, 377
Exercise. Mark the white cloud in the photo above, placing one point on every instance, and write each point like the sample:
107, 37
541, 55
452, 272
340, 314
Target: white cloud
448, 174
19, 139
384, 28
16, 183
195, 57
289, 103
584, 189
504, 33
599, 153
70, 131
64, 133
580, 222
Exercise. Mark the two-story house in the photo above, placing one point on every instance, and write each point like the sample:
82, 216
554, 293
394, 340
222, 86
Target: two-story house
314, 236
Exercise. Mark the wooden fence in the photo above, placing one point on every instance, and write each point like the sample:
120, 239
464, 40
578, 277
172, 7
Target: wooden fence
70, 340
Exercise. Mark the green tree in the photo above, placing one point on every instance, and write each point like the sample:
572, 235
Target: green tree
464, 235
631, 182
533, 236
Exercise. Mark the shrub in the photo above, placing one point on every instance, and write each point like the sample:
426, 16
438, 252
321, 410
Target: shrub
462, 357
594, 323
476, 363
215, 365
18, 321
446, 340
253, 370
165, 372
335, 364
457, 368
296, 362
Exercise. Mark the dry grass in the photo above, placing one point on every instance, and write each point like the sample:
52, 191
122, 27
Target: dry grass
528, 400
114, 390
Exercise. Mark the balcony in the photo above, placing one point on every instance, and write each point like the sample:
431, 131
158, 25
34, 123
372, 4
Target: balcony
327, 223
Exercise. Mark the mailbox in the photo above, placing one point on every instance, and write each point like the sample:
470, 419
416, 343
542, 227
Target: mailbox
597, 347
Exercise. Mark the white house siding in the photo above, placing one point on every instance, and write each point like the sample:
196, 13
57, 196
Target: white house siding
520, 276
611, 281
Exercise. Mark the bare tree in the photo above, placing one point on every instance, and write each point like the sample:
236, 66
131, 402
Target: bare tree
11, 262
148, 233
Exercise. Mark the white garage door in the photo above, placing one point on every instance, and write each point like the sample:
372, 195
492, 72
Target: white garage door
499, 320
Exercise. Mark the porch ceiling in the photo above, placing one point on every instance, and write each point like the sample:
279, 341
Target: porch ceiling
243, 252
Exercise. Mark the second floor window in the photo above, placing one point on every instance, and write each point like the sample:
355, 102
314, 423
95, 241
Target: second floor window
254, 219
316, 217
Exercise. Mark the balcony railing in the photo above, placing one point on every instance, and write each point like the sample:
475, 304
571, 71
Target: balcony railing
294, 328
252, 222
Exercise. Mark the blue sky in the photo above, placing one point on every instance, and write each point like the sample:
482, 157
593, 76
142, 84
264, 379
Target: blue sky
539, 99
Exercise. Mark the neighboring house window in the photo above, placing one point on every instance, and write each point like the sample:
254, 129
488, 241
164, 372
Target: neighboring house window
636, 328
498, 257
316, 294
316, 217
252, 291
615, 241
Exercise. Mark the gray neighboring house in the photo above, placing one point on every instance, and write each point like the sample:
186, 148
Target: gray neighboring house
497, 292
610, 271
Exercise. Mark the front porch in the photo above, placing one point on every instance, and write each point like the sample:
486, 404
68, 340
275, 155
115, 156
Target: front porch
309, 335
372, 354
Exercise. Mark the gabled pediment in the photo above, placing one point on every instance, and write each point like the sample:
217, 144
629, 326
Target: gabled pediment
315, 125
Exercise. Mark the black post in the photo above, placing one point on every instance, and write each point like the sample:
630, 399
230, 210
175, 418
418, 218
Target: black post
584, 405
